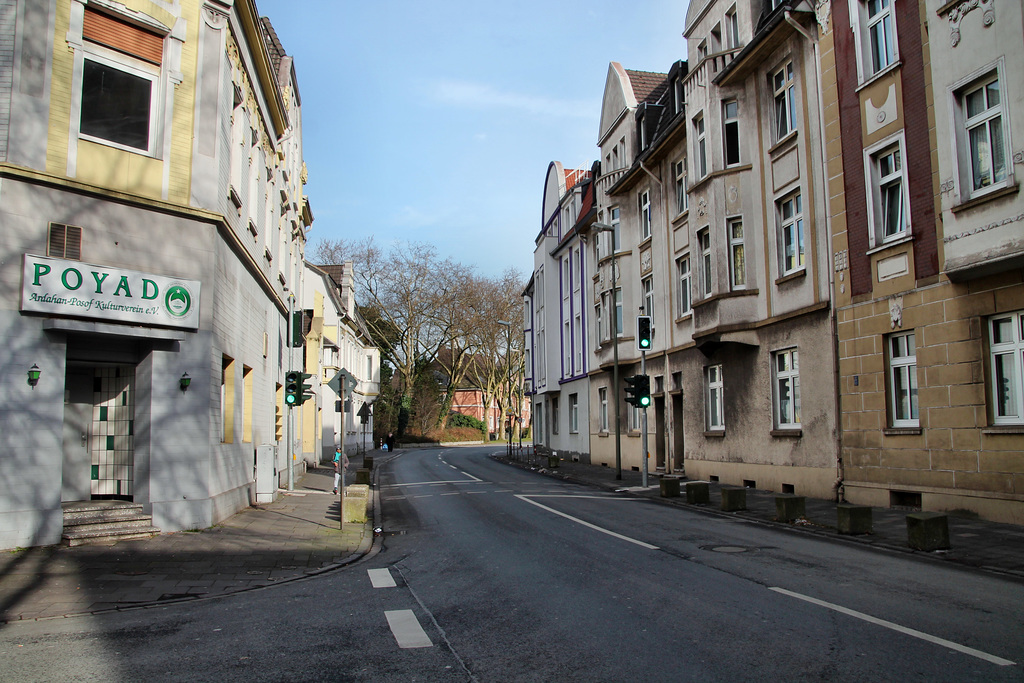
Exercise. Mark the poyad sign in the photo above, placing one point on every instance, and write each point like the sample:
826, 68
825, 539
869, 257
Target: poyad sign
73, 288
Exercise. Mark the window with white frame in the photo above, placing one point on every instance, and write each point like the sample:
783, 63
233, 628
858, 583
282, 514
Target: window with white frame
786, 368
791, 233
683, 279
982, 138
785, 101
714, 389
644, 207
737, 260
602, 400
538, 418
554, 414
680, 173
599, 319
1006, 367
577, 343
875, 27
731, 132
574, 413
647, 284
706, 264
902, 357
888, 194
732, 29
120, 83
634, 419
618, 312
700, 147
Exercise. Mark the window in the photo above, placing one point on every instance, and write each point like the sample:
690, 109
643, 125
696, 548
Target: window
648, 288
791, 233
610, 242
731, 132
981, 136
227, 400
713, 398
65, 241
599, 319
737, 262
247, 403
704, 242
554, 414
120, 82
644, 207
634, 419
882, 38
785, 101
602, 399
903, 379
574, 413
680, 170
786, 368
618, 312
1006, 359
888, 192
683, 272
732, 29
701, 150
875, 25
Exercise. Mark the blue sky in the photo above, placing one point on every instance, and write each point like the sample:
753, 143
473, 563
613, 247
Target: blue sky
436, 121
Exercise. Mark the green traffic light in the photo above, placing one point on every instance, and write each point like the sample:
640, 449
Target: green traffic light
645, 401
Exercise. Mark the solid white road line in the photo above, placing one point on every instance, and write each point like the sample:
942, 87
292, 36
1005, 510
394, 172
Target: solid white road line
896, 627
381, 578
588, 524
406, 629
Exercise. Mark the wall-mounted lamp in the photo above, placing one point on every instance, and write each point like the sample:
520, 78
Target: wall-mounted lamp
184, 381
33, 375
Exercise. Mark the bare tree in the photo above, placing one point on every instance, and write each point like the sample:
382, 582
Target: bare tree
401, 291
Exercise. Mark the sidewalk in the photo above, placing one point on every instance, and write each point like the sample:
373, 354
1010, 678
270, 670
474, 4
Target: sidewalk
975, 543
297, 535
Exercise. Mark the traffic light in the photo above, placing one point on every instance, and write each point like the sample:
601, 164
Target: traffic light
643, 394
293, 388
307, 389
638, 391
643, 333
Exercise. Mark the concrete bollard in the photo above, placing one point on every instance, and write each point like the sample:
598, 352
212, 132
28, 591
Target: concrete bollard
669, 486
928, 531
363, 476
789, 508
734, 498
853, 519
368, 462
553, 461
698, 493
356, 502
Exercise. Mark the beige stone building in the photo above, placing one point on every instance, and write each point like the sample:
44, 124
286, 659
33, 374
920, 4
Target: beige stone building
924, 139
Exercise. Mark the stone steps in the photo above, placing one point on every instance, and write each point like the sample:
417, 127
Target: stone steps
95, 522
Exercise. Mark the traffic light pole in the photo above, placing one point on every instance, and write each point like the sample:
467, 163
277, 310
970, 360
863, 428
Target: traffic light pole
643, 422
288, 417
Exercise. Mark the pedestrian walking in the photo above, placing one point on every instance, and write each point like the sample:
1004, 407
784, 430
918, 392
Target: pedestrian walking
340, 464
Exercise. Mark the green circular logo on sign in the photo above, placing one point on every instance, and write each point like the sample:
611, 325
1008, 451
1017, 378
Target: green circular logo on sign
178, 300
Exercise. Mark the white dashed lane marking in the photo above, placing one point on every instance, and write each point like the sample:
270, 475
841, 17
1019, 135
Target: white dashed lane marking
406, 629
381, 578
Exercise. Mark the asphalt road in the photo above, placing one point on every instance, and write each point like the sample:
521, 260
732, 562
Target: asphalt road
491, 573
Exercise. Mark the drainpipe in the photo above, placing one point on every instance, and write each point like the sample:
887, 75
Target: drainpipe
837, 487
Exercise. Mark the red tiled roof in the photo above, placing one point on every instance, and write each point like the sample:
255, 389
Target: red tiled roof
647, 86
575, 177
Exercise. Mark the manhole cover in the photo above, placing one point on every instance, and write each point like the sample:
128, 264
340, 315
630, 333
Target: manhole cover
728, 549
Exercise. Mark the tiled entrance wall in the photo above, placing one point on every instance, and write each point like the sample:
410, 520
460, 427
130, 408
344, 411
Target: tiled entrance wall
113, 421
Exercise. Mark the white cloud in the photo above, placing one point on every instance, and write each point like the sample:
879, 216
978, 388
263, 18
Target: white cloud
485, 96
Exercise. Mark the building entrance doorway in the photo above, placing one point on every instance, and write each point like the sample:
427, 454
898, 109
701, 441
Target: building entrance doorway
99, 426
